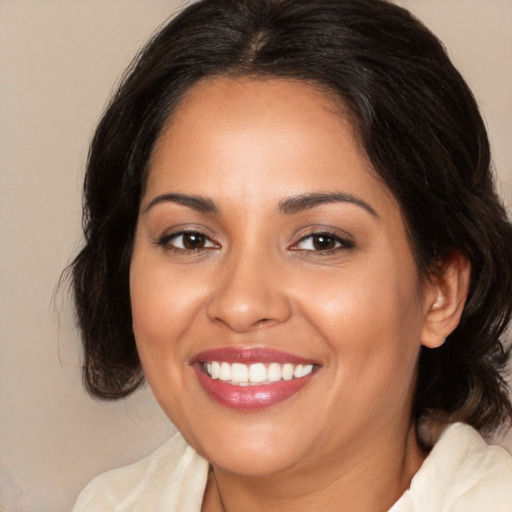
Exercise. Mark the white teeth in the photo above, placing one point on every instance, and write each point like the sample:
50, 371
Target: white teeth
215, 371
274, 372
239, 373
297, 372
225, 372
258, 373
288, 371
301, 370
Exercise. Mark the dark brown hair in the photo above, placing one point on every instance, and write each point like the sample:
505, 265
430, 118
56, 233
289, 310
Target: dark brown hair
420, 128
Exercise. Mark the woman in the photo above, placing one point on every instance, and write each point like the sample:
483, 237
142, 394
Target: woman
292, 234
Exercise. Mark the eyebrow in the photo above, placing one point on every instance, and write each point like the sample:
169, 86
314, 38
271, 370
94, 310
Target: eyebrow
198, 203
288, 206
303, 202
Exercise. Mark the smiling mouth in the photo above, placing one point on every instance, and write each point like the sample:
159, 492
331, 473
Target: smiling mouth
251, 379
239, 374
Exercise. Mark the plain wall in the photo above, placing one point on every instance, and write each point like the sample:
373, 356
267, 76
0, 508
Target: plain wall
59, 60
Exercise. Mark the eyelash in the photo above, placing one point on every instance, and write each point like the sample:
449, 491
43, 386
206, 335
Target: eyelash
166, 241
340, 243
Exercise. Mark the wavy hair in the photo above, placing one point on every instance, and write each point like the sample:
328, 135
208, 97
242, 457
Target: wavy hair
417, 121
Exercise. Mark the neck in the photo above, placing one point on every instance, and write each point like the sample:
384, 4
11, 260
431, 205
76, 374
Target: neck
369, 479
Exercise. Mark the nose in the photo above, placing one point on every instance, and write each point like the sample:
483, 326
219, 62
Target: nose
249, 294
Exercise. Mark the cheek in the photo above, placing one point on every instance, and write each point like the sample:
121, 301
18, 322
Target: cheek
370, 316
161, 310
163, 302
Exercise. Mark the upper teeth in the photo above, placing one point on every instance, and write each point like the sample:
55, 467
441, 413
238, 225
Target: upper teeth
257, 373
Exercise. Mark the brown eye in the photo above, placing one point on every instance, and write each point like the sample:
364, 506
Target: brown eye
323, 242
193, 241
187, 241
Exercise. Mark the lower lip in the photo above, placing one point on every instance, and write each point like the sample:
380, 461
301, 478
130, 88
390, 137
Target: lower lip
250, 398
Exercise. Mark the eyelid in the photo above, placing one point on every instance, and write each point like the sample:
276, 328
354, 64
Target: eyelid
344, 242
165, 240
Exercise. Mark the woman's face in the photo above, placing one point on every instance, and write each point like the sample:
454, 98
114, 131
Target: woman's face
266, 246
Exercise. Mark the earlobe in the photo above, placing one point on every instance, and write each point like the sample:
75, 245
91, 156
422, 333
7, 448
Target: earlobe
445, 299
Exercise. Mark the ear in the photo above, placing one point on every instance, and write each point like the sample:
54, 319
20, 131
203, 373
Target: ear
445, 297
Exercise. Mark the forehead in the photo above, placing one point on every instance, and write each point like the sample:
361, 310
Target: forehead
248, 93
218, 104
286, 135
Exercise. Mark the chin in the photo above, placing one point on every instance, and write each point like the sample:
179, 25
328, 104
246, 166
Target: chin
248, 446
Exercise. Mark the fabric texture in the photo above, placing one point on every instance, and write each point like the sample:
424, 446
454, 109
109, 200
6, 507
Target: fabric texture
461, 474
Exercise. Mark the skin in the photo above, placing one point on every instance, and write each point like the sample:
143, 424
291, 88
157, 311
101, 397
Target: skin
346, 441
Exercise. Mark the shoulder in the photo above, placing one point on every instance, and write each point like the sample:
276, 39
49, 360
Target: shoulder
173, 476
461, 474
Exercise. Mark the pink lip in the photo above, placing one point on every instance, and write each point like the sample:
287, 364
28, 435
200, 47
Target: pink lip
249, 398
250, 355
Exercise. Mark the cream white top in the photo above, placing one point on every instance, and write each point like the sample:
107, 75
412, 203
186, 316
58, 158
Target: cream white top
461, 474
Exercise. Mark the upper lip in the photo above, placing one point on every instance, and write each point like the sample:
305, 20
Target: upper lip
250, 355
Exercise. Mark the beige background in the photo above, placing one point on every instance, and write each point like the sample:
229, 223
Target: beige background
59, 60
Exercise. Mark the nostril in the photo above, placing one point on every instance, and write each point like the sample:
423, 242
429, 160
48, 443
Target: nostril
241, 324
